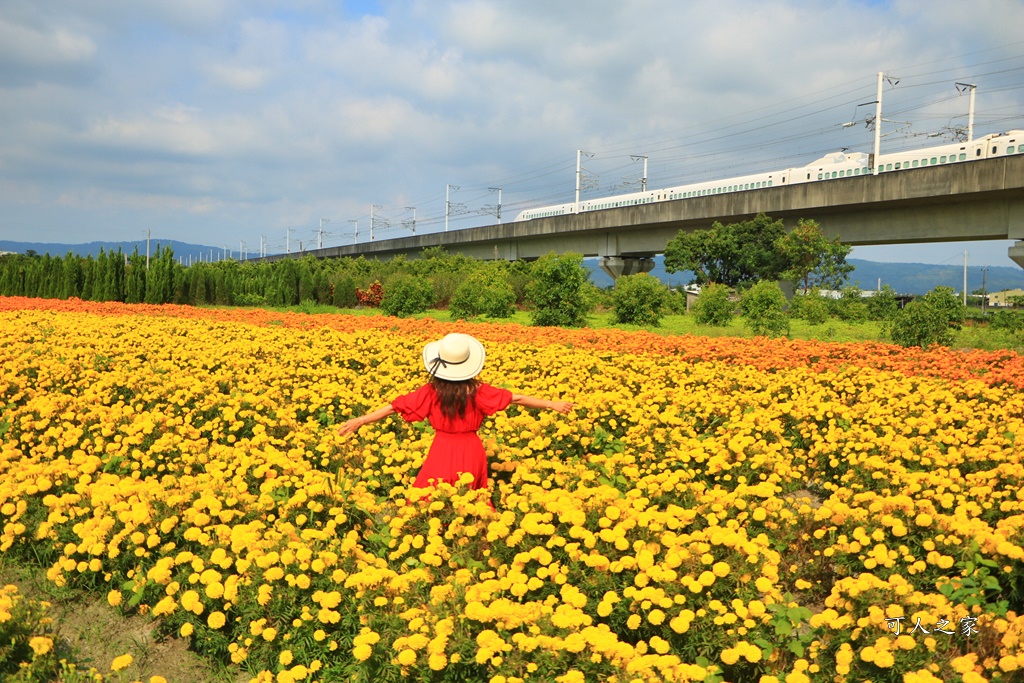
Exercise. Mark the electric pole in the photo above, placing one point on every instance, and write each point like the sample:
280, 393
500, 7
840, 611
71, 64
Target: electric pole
970, 114
643, 180
410, 224
965, 279
320, 234
984, 292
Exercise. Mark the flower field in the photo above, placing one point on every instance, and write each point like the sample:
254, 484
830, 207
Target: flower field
712, 510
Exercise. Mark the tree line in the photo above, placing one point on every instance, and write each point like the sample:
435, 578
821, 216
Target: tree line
736, 255
161, 279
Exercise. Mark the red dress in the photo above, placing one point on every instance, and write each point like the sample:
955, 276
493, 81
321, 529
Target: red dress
456, 448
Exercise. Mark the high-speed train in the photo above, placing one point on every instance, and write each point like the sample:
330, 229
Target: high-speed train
834, 165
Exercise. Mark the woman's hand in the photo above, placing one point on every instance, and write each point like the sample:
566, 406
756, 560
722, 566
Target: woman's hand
561, 406
351, 425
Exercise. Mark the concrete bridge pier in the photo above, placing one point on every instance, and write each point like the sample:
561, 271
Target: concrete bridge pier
625, 265
1016, 253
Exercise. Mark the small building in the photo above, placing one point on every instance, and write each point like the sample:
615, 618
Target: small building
1000, 299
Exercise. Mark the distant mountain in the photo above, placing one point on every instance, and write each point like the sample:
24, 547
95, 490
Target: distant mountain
180, 249
905, 278
919, 278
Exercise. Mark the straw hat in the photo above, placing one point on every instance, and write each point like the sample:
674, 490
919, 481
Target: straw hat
456, 358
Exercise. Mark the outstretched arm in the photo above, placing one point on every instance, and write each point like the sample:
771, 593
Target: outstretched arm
543, 404
357, 422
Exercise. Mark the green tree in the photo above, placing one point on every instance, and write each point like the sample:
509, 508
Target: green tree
812, 259
734, 255
484, 292
407, 294
72, 277
929, 320
713, 306
763, 306
559, 291
810, 306
883, 305
135, 278
639, 299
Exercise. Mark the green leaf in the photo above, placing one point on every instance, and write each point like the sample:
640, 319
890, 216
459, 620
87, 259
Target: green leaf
765, 646
797, 648
797, 614
783, 628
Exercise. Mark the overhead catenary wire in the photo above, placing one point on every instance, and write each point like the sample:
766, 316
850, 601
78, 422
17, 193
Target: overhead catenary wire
694, 152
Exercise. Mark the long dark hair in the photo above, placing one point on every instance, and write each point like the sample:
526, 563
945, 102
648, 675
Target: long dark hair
454, 396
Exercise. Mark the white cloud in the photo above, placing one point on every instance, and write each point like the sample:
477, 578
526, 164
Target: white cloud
225, 118
237, 77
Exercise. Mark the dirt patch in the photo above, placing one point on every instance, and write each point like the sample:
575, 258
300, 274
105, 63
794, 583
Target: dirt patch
803, 496
96, 633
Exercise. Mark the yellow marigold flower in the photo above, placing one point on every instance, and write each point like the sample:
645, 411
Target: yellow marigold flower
437, 661
269, 634
362, 652
166, 606
216, 620
285, 657
634, 621
40, 645
121, 662
656, 616
407, 657
923, 519
186, 629
730, 656
114, 597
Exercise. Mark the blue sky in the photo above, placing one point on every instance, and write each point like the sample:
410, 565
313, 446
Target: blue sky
221, 122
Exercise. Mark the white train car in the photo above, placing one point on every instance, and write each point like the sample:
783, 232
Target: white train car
829, 167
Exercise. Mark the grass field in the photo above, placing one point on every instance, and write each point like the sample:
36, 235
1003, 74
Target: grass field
971, 336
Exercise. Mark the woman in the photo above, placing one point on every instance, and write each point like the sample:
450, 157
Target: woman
455, 403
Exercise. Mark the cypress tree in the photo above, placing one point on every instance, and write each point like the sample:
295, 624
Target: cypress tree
88, 277
135, 279
71, 277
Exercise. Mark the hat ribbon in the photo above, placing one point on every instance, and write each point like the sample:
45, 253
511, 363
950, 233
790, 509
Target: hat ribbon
438, 361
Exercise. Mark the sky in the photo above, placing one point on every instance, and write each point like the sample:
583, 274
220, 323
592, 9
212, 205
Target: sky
265, 124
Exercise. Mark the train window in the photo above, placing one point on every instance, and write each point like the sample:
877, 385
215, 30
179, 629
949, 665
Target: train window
934, 160
995, 150
963, 157
888, 167
942, 159
1009, 150
977, 152
769, 183
914, 164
